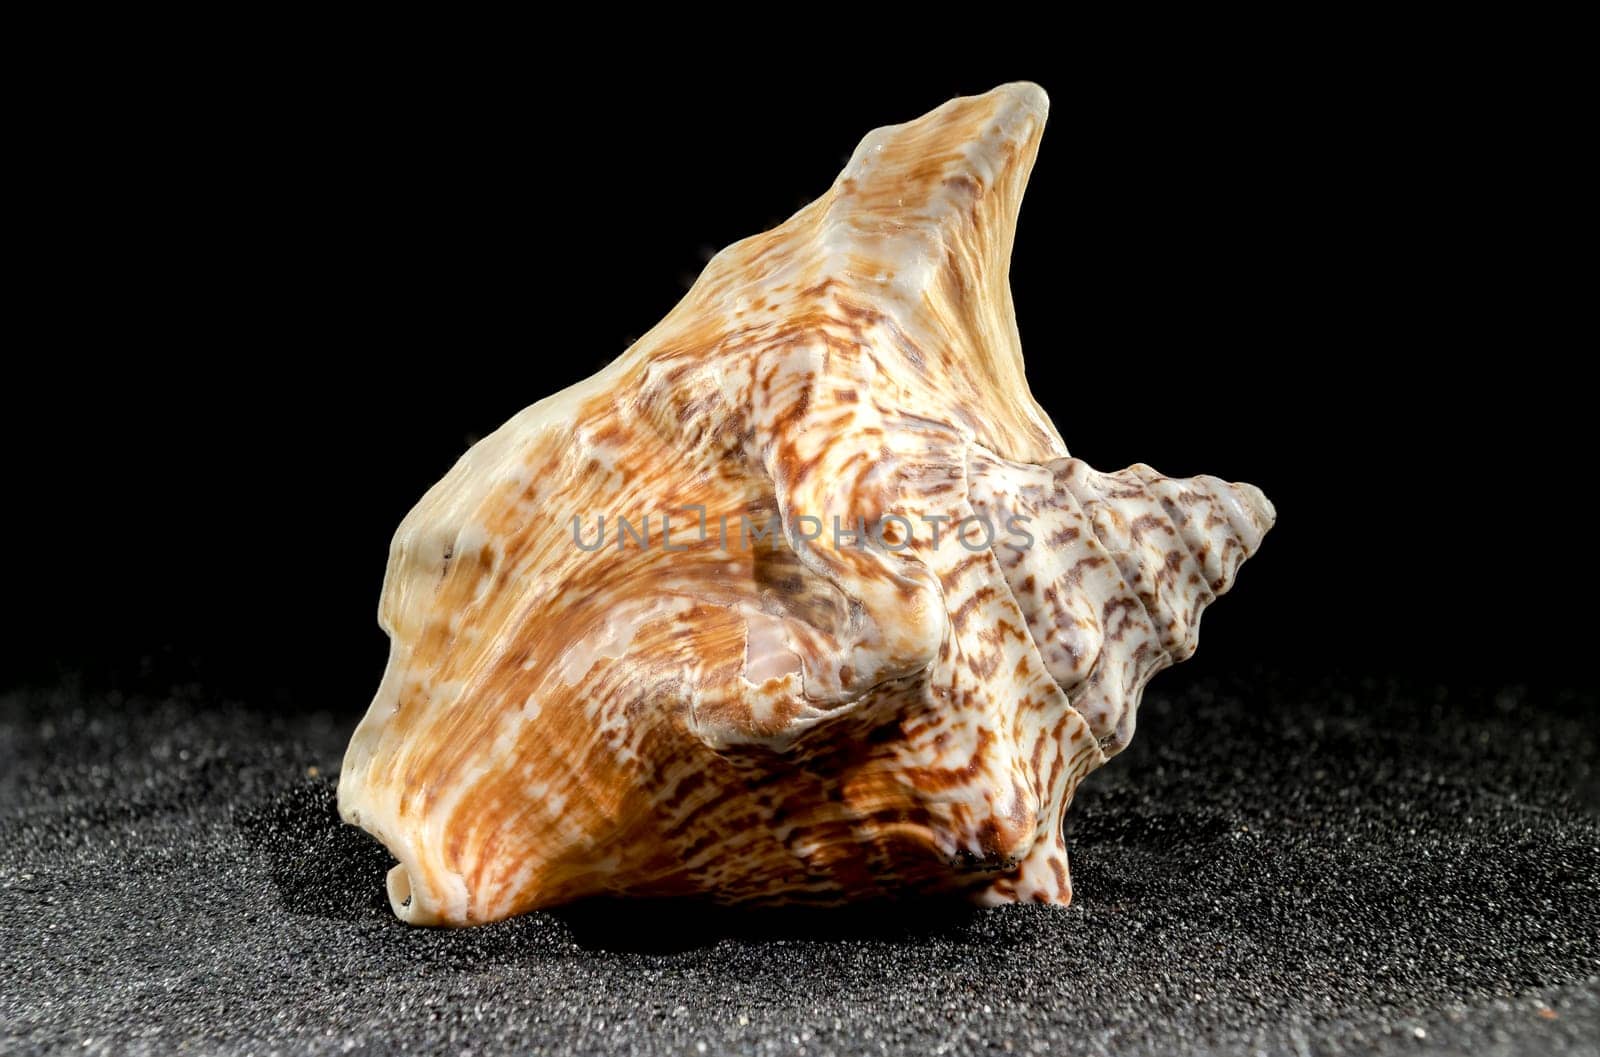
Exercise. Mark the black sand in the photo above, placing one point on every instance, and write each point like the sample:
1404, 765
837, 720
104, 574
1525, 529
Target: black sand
1333, 869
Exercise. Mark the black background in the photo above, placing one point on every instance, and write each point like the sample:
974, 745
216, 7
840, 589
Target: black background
268, 300
270, 279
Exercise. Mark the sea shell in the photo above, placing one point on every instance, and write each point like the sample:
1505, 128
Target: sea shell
705, 711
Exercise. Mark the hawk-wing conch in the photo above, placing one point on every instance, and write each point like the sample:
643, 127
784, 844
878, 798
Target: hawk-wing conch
801, 598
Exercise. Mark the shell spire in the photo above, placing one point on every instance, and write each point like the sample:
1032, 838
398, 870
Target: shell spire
800, 599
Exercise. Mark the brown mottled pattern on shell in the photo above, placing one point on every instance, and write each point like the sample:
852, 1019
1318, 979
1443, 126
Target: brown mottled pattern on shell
557, 723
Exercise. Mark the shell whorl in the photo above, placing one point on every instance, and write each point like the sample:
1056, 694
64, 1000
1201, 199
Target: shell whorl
1122, 566
785, 718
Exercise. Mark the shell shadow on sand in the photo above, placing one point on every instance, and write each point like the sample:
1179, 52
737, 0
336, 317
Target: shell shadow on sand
321, 867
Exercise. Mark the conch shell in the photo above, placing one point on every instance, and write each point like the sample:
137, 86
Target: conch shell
878, 626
